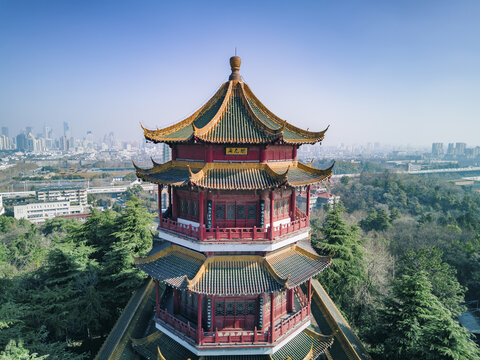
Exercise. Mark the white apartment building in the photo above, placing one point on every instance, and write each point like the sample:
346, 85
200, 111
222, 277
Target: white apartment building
38, 212
76, 195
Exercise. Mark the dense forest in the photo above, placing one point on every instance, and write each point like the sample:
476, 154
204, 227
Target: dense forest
63, 284
407, 256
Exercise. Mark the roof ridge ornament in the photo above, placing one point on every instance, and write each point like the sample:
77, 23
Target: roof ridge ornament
235, 63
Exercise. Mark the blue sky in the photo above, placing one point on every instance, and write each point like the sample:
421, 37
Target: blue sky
401, 72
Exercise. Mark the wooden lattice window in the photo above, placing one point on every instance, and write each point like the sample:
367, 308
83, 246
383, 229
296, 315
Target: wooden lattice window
230, 212
230, 308
241, 212
251, 307
252, 212
239, 308
220, 212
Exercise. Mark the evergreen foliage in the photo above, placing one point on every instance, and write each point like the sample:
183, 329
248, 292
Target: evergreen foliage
441, 275
346, 275
416, 325
66, 282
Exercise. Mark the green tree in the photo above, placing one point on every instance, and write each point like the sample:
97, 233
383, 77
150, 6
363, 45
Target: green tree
441, 275
416, 325
376, 220
347, 272
14, 351
134, 227
345, 180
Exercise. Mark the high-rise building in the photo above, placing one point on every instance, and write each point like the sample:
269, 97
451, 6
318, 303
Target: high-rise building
437, 149
22, 142
5, 131
66, 130
89, 141
166, 153
231, 277
451, 149
460, 149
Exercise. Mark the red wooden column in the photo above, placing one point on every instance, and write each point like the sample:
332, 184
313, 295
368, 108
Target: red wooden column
293, 203
174, 205
209, 153
308, 201
157, 298
290, 293
201, 200
263, 154
160, 187
199, 318
272, 317
212, 314
294, 153
272, 205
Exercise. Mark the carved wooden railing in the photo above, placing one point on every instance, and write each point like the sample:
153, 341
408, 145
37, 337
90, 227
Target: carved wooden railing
234, 234
189, 333
285, 326
182, 328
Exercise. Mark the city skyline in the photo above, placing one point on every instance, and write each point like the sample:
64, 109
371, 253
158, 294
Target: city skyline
372, 71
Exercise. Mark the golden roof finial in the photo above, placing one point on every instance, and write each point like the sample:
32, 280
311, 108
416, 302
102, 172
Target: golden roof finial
235, 63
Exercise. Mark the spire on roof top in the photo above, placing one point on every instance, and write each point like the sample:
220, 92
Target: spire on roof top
235, 62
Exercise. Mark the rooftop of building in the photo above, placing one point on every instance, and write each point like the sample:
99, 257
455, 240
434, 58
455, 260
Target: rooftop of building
184, 269
234, 115
234, 176
135, 334
60, 188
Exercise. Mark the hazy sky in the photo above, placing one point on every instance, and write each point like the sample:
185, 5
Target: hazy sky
376, 71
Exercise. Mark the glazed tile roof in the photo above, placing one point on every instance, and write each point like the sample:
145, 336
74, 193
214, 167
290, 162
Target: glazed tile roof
233, 274
173, 265
229, 176
234, 115
297, 264
306, 345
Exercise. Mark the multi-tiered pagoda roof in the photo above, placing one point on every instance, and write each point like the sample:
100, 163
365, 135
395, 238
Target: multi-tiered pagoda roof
186, 269
234, 115
240, 176
231, 265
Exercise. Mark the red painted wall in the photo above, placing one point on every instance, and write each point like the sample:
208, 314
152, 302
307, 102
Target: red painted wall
279, 152
199, 152
190, 152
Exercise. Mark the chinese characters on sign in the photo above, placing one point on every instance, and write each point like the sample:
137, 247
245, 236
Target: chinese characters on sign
236, 151
262, 213
209, 214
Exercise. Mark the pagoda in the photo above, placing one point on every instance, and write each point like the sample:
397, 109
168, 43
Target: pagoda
232, 272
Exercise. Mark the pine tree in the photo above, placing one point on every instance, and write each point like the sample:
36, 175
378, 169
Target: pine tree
134, 227
416, 325
347, 271
14, 351
441, 275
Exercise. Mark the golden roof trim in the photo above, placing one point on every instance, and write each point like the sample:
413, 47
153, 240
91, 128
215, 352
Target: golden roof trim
181, 251
199, 133
318, 136
154, 135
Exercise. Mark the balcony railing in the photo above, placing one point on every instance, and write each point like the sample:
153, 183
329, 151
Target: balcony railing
183, 329
235, 234
285, 326
235, 337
